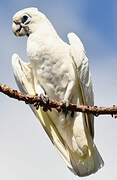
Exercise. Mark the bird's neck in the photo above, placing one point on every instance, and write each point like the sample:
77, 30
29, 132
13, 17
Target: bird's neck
45, 29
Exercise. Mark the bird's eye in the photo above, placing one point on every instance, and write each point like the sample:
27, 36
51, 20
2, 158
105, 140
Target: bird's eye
24, 19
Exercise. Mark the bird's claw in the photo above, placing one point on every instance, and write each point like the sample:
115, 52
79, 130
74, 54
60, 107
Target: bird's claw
72, 114
65, 107
36, 104
44, 103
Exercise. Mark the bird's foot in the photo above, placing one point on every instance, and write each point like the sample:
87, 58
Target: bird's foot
45, 100
65, 109
65, 106
36, 104
115, 116
43, 103
72, 114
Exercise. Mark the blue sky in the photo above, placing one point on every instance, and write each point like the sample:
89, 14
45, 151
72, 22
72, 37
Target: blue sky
25, 151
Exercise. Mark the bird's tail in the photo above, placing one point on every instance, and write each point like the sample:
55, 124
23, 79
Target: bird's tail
79, 165
85, 166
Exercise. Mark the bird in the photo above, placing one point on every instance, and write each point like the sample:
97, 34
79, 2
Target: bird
58, 70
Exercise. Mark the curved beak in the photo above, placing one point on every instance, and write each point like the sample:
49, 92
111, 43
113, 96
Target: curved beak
20, 29
16, 28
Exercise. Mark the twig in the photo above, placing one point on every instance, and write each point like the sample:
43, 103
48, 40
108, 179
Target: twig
59, 106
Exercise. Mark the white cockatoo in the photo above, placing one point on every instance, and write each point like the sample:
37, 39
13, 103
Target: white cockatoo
61, 71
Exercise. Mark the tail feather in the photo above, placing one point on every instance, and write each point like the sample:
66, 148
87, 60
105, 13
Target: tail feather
84, 167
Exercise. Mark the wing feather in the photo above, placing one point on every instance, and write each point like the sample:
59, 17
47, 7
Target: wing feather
82, 68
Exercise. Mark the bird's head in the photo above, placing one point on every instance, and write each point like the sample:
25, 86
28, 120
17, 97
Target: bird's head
26, 21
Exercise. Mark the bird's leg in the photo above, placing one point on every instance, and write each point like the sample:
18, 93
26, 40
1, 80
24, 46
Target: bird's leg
66, 100
45, 102
45, 99
67, 97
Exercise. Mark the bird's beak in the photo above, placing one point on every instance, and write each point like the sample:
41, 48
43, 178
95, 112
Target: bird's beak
20, 29
16, 28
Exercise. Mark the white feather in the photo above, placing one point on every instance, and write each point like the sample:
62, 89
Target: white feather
62, 71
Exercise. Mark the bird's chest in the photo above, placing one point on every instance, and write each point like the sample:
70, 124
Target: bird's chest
49, 69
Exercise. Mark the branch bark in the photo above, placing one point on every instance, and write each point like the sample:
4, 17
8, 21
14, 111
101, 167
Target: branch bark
49, 104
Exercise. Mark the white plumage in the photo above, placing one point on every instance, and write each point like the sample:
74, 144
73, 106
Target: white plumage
61, 71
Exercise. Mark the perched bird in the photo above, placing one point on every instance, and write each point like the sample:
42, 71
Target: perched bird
60, 71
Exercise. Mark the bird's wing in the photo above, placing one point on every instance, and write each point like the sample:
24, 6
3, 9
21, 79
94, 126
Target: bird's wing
24, 78
81, 65
23, 75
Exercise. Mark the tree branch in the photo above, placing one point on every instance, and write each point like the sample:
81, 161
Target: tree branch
59, 106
